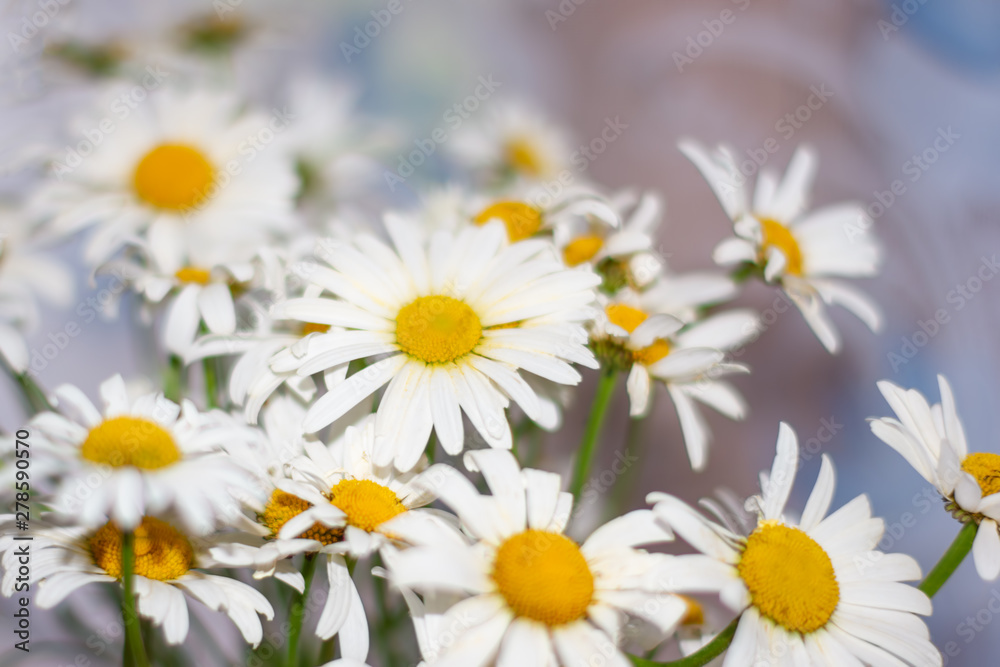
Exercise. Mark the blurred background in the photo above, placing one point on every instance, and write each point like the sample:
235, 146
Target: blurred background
905, 92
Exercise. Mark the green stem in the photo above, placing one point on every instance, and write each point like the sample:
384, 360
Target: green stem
172, 377
383, 631
703, 656
626, 483
588, 445
950, 561
33, 393
211, 383
298, 611
135, 652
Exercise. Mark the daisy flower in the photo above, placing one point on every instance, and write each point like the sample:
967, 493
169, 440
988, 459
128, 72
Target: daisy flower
815, 592
689, 360
801, 251
26, 273
448, 322
623, 254
511, 141
168, 564
336, 503
140, 457
531, 594
932, 440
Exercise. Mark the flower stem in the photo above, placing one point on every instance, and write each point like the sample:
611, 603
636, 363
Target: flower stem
588, 445
211, 383
950, 561
703, 656
625, 486
33, 393
298, 611
135, 651
172, 377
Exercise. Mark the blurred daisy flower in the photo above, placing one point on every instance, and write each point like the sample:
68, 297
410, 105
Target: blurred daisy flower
448, 322
932, 440
804, 252
529, 594
147, 456
167, 570
27, 275
816, 592
631, 335
511, 141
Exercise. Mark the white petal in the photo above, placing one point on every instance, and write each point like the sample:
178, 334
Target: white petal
986, 550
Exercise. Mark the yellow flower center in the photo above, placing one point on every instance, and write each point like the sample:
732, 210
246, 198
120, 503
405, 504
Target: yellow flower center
582, 249
130, 441
522, 156
985, 467
283, 506
311, 327
521, 220
174, 177
629, 319
544, 577
367, 504
695, 614
193, 274
161, 552
790, 577
776, 235
437, 329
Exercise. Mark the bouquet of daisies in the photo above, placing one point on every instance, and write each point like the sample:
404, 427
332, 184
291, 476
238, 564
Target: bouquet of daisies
338, 441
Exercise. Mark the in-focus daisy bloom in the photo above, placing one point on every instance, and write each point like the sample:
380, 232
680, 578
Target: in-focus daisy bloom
185, 178
167, 566
449, 323
816, 592
932, 440
141, 457
533, 596
804, 252
336, 505
689, 360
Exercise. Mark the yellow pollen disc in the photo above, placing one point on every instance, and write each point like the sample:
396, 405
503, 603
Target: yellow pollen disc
437, 329
627, 317
582, 249
283, 506
544, 577
695, 614
521, 220
985, 467
173, 177
192, 274
650, 354
776, 235
130, 441
312, 327
790, 577
161, 552
367, 504
523, 157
